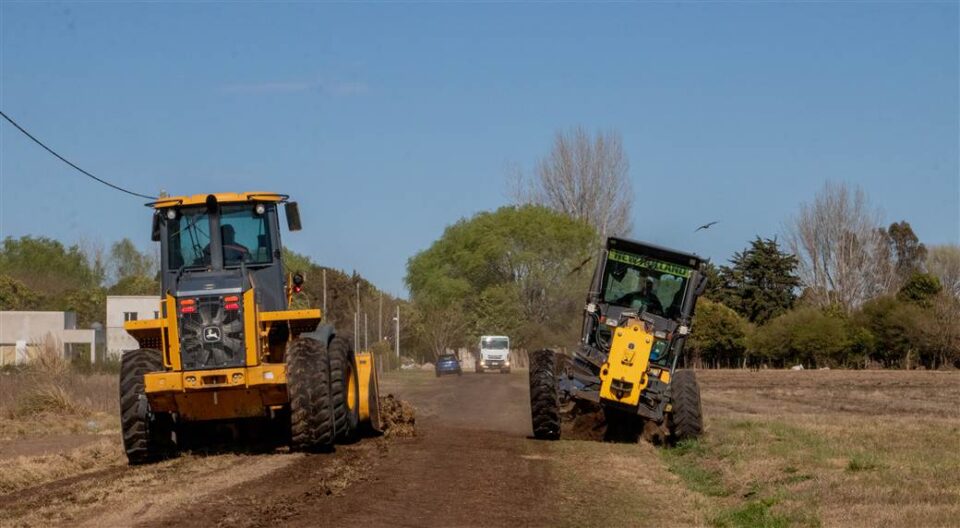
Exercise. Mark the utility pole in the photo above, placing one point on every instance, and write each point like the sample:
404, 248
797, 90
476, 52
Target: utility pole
397, 319
380, 320
366, 344
356, 318
325, 293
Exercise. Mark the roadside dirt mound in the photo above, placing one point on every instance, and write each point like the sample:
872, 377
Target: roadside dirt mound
398, 417
584, 425
592, 425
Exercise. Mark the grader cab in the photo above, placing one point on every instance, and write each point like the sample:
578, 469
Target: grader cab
637, 318
226, 348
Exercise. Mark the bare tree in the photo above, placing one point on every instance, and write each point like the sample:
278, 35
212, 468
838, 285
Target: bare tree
844, 256
95, 255
944, 262
584, 177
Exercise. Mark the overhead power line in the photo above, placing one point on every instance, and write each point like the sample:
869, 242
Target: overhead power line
68, 162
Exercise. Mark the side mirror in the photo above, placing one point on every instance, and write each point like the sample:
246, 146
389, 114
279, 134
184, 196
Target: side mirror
155, 229
701, 284
293, 216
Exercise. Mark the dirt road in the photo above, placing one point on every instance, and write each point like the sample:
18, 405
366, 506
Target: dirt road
470, 463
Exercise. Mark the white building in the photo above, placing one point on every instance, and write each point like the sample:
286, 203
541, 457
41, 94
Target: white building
122, 308
23, 333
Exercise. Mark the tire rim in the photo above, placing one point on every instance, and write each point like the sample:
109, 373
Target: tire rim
352, 390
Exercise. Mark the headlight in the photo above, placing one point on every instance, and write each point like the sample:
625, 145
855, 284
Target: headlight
506, 363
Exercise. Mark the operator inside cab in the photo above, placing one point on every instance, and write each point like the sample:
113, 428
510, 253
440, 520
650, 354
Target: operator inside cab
644, 284
645, 298
233, 251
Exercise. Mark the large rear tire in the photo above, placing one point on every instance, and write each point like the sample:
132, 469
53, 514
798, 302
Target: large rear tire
308, 386
147, 435
687, 419
345, 390
544, 395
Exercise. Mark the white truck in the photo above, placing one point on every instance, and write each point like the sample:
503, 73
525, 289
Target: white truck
494, 354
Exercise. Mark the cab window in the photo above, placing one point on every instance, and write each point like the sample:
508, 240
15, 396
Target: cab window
245, 235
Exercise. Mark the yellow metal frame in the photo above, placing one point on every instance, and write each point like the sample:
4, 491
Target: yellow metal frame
201, 199
627, 363
366, 372
232, 392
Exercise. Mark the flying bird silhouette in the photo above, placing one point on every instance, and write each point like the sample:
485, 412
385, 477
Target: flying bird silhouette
704, 226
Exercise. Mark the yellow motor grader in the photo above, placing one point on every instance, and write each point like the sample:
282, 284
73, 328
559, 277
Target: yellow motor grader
637, 317
226, 347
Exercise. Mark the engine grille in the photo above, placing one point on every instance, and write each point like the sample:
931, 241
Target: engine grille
211, 337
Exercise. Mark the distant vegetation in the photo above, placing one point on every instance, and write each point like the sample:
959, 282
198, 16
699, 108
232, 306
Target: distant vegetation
517, 271
840, 290
850, 294
43, 274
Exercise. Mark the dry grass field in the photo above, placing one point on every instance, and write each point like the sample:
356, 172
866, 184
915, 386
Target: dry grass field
831, 448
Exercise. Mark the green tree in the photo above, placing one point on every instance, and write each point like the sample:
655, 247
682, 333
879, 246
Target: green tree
719, 336
135, 285
45, 266
920, 288
897, 328
127, 261
761, 281
14, 295
90, 304
518, 261
812, 337
908, 252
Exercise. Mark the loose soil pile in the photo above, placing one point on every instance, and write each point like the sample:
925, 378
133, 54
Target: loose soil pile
397, 417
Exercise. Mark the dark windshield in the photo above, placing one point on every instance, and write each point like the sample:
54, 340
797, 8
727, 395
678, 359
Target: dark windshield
642, 283
244, 235
494, 343
189, 237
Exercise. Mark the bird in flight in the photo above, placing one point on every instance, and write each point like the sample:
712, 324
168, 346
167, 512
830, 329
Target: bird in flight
704, 226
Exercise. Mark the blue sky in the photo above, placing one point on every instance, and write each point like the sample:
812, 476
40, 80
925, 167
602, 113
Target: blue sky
388, 122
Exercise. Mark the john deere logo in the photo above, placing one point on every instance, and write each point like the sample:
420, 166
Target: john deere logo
211, 334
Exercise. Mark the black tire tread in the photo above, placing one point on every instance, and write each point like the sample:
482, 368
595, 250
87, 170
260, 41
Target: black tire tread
687, 419
544, 396
308, 386
143, 442
346, 422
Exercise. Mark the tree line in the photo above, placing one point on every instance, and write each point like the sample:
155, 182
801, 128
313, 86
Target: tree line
39, 273
839, 290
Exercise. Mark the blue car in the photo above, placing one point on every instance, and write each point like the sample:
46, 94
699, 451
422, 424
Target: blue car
448, 364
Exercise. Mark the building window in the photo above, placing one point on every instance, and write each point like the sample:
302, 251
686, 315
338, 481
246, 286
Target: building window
129, 316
